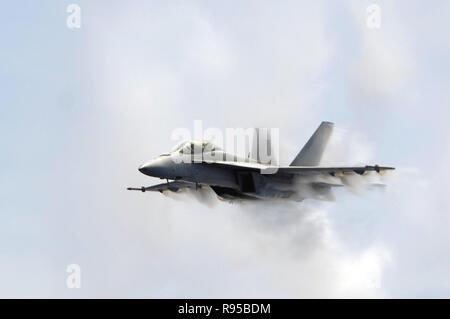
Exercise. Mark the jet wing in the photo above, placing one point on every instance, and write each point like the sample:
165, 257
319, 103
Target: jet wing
338, 170
174, 186
301, 170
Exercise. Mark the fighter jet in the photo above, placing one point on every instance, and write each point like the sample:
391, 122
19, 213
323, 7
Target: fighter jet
197, 165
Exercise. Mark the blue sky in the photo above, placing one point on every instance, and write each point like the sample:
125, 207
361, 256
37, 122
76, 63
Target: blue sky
82, 109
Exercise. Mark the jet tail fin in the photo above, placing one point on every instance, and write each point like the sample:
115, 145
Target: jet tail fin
311, 153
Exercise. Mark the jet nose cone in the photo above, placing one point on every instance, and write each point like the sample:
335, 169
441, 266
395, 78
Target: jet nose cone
157, 168
145, 168
151, 168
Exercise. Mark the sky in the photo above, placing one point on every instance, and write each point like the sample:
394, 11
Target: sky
81, 109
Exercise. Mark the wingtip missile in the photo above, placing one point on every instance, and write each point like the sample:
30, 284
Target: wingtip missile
142, 189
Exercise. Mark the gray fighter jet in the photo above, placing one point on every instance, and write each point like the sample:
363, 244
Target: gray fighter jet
197, 165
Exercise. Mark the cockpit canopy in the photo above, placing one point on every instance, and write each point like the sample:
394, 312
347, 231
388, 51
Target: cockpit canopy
195, 147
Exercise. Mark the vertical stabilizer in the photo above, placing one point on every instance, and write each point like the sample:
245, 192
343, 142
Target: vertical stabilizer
311, 153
